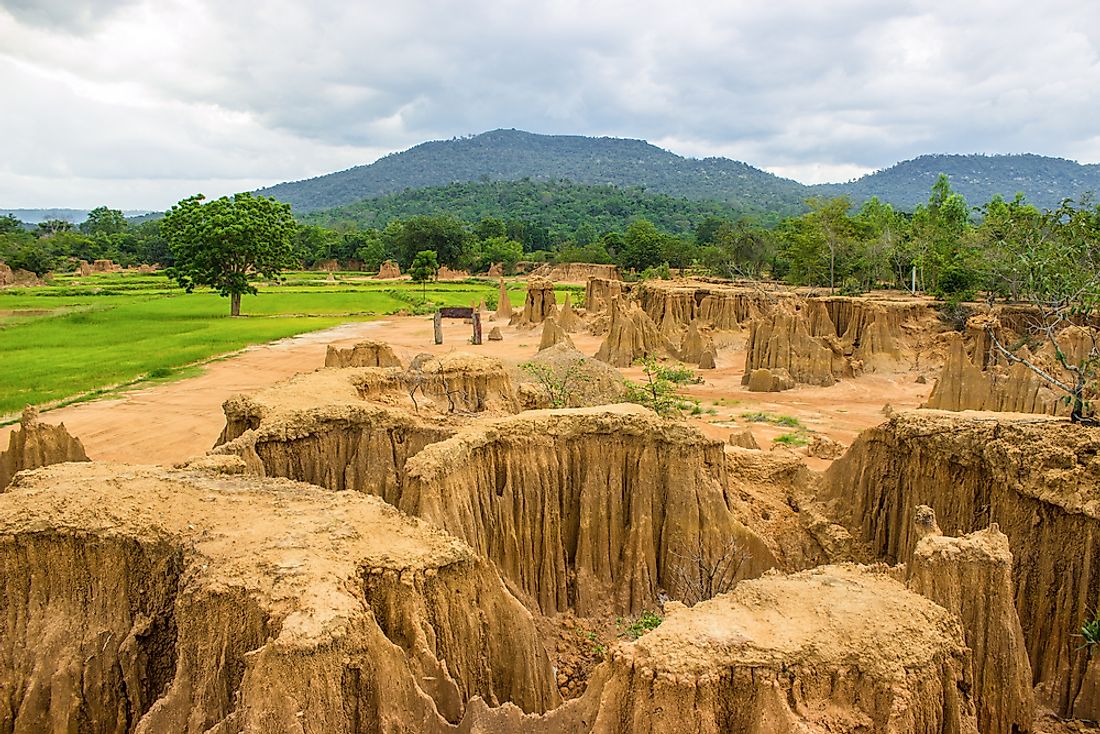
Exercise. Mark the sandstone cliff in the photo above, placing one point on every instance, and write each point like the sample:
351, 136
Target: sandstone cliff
971, 577
577, 272
1035, 478
143, 600
553, 334
600, 292
782, 340
582, 509
36, 444
367, 353
631, 334
539, 303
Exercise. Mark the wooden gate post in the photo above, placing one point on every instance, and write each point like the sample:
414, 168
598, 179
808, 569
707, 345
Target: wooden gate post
437, 321
477, 326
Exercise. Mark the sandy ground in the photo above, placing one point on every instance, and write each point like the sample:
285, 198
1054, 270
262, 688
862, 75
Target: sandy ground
171, 422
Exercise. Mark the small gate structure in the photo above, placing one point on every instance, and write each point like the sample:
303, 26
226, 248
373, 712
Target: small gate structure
457, 312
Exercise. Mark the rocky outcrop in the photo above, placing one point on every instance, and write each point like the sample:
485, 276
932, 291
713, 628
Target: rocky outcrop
568, 318
569, 530
446, 273
105, 266
362, 447
577, 381
577, 272
837, 649
770, 380
36, 444
6, 276
504, 305
83, 268
496, 270
540, 301
1017, 389
367, 353
149, 601
1036, 478
743, 439
553, 334
600, 292
971, 577
631, 334
698, 347
495, 335
455, 383
782, 340
388, 271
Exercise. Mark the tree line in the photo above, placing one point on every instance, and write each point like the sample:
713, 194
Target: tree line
944, 247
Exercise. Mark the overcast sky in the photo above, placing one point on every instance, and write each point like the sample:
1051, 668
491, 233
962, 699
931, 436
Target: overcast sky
136, 104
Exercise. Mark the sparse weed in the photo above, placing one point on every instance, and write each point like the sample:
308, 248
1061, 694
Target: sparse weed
646, 622
1090, 630
791, 439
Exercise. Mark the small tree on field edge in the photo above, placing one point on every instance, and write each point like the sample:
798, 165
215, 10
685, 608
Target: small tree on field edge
424, 267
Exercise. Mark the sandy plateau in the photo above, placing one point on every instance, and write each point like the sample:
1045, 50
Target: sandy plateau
429, 538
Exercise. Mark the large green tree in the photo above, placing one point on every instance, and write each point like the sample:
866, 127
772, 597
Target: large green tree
226, 243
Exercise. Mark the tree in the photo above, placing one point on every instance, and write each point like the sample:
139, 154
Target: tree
102, 220
643, 246
938, 234
1055, 265
501, 250
8, 224
226, 243
424, 267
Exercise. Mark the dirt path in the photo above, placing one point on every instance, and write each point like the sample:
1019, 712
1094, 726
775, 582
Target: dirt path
171, 422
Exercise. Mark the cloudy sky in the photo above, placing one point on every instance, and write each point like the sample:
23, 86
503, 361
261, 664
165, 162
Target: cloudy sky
138, 103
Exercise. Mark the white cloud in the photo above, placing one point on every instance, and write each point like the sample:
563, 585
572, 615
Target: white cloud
141, 99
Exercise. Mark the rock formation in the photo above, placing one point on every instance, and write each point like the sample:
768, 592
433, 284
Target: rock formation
150, 601
963, 386
823, 447
388, 271
971, 577
504, 305
773, 380
783, 340
36, 444
539, 303
835, 649
495, 335
582, 381
698, 347
520, 491
455, 383
83, 268
600, 292
496, 270
553, 334
568, 319
743, 439
104, 266
6, 276
577, 272
367, 353
445, 273
631, 334
1036, 478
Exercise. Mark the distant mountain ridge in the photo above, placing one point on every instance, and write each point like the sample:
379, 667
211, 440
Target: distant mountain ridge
75, 216
1044, 181
509, 155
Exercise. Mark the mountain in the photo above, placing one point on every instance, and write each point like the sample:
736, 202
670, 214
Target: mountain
1043, 181
509, 155
562, 207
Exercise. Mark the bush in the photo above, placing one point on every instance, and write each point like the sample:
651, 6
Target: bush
647, 622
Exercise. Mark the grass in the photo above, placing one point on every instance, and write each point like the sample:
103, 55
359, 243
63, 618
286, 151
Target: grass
1090, 630
787, 421
791, 439
81, 336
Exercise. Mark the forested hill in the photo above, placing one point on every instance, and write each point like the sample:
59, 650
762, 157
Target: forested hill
1044, 181
561, 207
509, 155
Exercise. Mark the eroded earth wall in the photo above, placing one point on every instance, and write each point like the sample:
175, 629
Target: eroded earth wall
1039, 479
